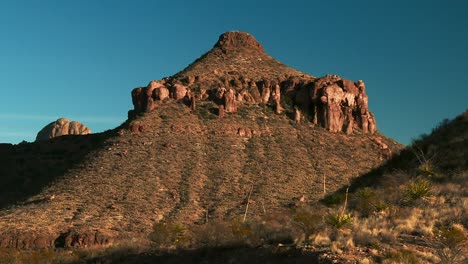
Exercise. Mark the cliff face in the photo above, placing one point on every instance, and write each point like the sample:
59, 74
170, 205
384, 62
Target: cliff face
237, 72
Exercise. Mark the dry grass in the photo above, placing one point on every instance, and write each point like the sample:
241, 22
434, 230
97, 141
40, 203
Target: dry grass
198, 172
188, 169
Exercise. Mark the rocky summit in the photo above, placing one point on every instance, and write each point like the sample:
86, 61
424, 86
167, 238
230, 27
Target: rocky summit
237, 71
234, 128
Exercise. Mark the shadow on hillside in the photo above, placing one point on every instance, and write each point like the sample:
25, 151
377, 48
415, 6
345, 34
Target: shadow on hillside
26, 168
212, 255
445, 149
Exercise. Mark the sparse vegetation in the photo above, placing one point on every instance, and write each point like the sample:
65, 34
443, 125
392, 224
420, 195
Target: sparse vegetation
402, 256
309, 222
169, 235
417, 189
367, 201
339, 219
206, 176
450, 243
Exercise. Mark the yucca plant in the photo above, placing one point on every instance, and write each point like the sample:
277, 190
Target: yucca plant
339, 219
417, 189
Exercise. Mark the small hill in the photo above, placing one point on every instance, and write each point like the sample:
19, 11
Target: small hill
235, 134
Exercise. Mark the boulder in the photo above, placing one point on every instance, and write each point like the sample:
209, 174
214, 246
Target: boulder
62, 127
178, 91
161, 93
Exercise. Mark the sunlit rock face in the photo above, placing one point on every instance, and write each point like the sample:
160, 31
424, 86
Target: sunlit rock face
237, 71
62, 127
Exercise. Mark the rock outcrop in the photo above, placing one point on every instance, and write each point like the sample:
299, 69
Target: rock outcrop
245, 74
62, 127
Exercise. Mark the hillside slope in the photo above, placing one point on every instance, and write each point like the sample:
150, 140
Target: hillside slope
234, 128
188, 167
414, 207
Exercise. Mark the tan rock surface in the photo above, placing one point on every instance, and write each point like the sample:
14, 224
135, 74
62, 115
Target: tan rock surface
62, 127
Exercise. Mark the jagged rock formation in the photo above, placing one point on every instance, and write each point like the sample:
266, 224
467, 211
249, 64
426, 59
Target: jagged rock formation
237, 71
61, 127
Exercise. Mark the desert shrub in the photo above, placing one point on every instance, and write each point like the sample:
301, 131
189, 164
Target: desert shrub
417, 189
333, 199
273, 228
366, 239
366, 201
428, 169
240, 229
308, 222
169, 235
402, 256
216, 233
338, 219
11, 256
269, 229
450, 244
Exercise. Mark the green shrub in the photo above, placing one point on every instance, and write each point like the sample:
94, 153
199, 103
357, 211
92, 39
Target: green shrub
333, 199
366, 201
308, 222
338, 219
417, 189
168, 234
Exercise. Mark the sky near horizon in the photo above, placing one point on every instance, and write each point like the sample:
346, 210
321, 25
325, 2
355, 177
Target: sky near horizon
81, 59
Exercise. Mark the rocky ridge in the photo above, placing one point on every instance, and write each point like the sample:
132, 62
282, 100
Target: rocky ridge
237, 72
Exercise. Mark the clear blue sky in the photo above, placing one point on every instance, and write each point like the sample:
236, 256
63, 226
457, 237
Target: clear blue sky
81, 59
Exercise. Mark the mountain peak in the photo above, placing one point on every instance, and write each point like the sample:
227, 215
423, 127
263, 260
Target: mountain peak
233, 40
237, 54
237, 72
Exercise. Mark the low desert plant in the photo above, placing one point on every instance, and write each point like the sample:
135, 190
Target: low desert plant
168, 234
338, 219
308, 222
217, 233
428, 169
417, 189
240, 229
366, 201
450, 243
402, 256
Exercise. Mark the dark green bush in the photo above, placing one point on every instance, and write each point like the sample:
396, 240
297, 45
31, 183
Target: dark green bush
169, 235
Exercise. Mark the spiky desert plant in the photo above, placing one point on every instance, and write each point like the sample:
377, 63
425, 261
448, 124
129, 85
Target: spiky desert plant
419, 188
340, 218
